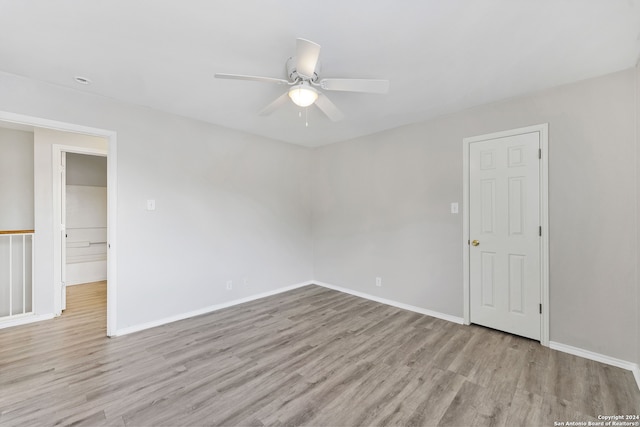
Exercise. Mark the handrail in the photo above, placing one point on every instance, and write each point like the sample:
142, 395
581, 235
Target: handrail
17, 231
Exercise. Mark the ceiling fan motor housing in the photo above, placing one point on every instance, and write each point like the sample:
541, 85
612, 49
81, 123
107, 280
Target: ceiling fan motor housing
292, 72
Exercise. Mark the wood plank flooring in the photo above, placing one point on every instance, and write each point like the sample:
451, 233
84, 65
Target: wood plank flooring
311, 356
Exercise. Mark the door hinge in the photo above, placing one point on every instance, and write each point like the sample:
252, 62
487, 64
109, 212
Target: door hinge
540, 308
539, 153
540, 231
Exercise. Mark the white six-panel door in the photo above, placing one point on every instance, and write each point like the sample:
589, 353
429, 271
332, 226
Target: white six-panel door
504, 234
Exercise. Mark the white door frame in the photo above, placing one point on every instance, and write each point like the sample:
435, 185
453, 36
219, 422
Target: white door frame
543, 130
57, 151
112, 180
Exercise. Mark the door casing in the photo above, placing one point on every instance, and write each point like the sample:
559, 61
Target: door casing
543, 130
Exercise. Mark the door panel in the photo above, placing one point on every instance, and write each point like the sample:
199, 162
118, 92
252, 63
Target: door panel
488, 205
516, 283
504, 217
488, 279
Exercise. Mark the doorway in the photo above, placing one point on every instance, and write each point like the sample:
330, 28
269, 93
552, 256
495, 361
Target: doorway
49, 242
84, 213
506, 284
83, 231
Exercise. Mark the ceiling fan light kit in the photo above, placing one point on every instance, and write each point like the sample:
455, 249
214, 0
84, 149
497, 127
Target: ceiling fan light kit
302, 75
303, 94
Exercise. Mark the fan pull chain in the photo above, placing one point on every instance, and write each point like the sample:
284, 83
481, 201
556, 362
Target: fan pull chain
306, 116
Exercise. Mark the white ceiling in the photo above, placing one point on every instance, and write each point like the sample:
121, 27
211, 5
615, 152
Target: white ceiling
440, 55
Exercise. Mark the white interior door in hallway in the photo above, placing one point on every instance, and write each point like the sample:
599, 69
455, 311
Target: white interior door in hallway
505, 234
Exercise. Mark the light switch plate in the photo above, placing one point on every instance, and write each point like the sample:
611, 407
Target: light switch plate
151, 205
454, 208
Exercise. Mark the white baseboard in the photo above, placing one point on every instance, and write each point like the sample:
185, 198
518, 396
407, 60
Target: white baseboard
403, 306
608, 360
87, 281
205, 310
25, 320
79, 273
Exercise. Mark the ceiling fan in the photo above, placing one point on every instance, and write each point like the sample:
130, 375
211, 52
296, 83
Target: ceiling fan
303, 81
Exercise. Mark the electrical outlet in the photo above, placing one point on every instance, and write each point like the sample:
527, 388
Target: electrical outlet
378, 281
229, 285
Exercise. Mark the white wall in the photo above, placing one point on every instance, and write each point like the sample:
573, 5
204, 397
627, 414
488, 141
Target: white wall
16, 180
88, 170
381, 208
229, 205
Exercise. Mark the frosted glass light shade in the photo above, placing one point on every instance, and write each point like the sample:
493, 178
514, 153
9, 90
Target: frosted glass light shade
303, 95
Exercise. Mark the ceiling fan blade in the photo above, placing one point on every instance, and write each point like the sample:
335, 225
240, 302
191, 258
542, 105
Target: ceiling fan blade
356, 85
281, 100
307, 53
329, 108
253, 78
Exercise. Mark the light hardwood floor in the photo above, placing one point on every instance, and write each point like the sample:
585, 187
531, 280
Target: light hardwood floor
311, 356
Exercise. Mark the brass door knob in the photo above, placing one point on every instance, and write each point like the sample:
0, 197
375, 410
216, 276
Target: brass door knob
475, 242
